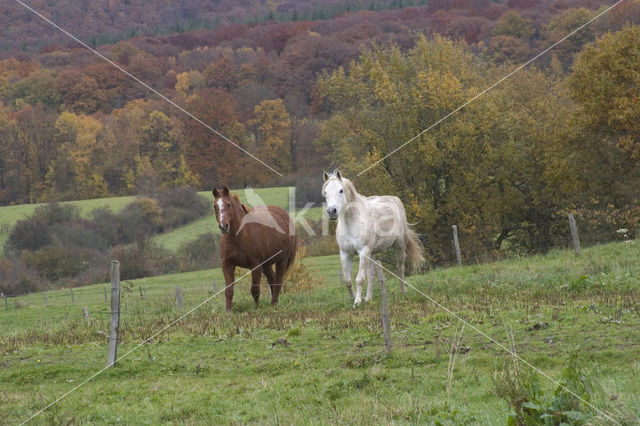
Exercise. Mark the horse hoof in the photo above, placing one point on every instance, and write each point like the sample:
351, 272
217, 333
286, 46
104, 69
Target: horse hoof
356, 303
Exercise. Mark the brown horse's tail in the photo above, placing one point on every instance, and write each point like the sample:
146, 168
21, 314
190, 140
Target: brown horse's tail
293, 248
415, 249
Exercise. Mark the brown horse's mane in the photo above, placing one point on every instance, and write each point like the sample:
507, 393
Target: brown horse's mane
245, 208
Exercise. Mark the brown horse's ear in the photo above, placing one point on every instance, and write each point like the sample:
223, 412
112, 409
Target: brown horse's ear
216, 193
225, 191
338, 174
325, 176
246, 210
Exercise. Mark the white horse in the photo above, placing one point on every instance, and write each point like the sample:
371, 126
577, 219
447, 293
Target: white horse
368, 225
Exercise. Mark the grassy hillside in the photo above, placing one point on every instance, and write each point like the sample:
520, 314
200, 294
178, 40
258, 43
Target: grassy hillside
9, 215
314, 359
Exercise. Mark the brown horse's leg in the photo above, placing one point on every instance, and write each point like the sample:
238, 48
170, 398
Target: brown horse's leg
268, 272
277, 285
228, 269
256, 274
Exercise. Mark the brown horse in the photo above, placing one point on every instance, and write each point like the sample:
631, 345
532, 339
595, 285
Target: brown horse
251, 237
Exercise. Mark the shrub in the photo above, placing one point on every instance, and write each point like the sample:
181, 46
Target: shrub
16, 278
181, 205
184, 197
107, 224
139, 220
201, 253
57, 261
80, 233
532, 406
299, 278
28, 234
138, 261
56, 213
34, 232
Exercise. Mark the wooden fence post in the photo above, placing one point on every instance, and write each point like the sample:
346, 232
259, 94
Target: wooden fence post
115, 312
105, 294
214, 285
456, 244
85, 312
386, 329
574, 234
46, 302
179, 296
73, 300
6, 304
141, 295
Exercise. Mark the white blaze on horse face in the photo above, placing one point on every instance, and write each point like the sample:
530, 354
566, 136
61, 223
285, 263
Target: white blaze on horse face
335, 197
221, 211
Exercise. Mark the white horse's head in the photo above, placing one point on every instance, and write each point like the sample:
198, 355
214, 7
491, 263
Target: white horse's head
338, 192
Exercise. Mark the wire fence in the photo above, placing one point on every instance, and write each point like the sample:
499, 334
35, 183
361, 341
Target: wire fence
464, 250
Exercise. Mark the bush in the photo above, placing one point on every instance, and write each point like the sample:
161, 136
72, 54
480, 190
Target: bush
185, 198
181, 205
56, 213
107, 224
201, 253
57, 261
138, 261
16, 278
299, 278
28, 234
34, 232
139, 220
80, 233
530, 405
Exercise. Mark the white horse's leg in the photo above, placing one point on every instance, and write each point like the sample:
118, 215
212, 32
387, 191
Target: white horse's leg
346, 260
401, 255
371, 277
362, 272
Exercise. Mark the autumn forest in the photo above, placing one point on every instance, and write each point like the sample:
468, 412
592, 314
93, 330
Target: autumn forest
307, 86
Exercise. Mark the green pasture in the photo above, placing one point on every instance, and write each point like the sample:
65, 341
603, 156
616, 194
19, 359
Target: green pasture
315, 359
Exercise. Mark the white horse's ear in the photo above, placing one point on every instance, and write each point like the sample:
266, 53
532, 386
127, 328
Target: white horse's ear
325, 176
338, 174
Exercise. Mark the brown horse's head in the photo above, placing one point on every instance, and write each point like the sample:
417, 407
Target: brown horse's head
228, 209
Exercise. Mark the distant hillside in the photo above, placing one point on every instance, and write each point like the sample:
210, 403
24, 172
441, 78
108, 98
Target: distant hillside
107, 21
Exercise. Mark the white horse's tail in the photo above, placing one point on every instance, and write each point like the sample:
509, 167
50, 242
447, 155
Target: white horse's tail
415, 249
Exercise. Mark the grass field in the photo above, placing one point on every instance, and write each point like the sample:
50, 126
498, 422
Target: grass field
314, 359
9, 215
